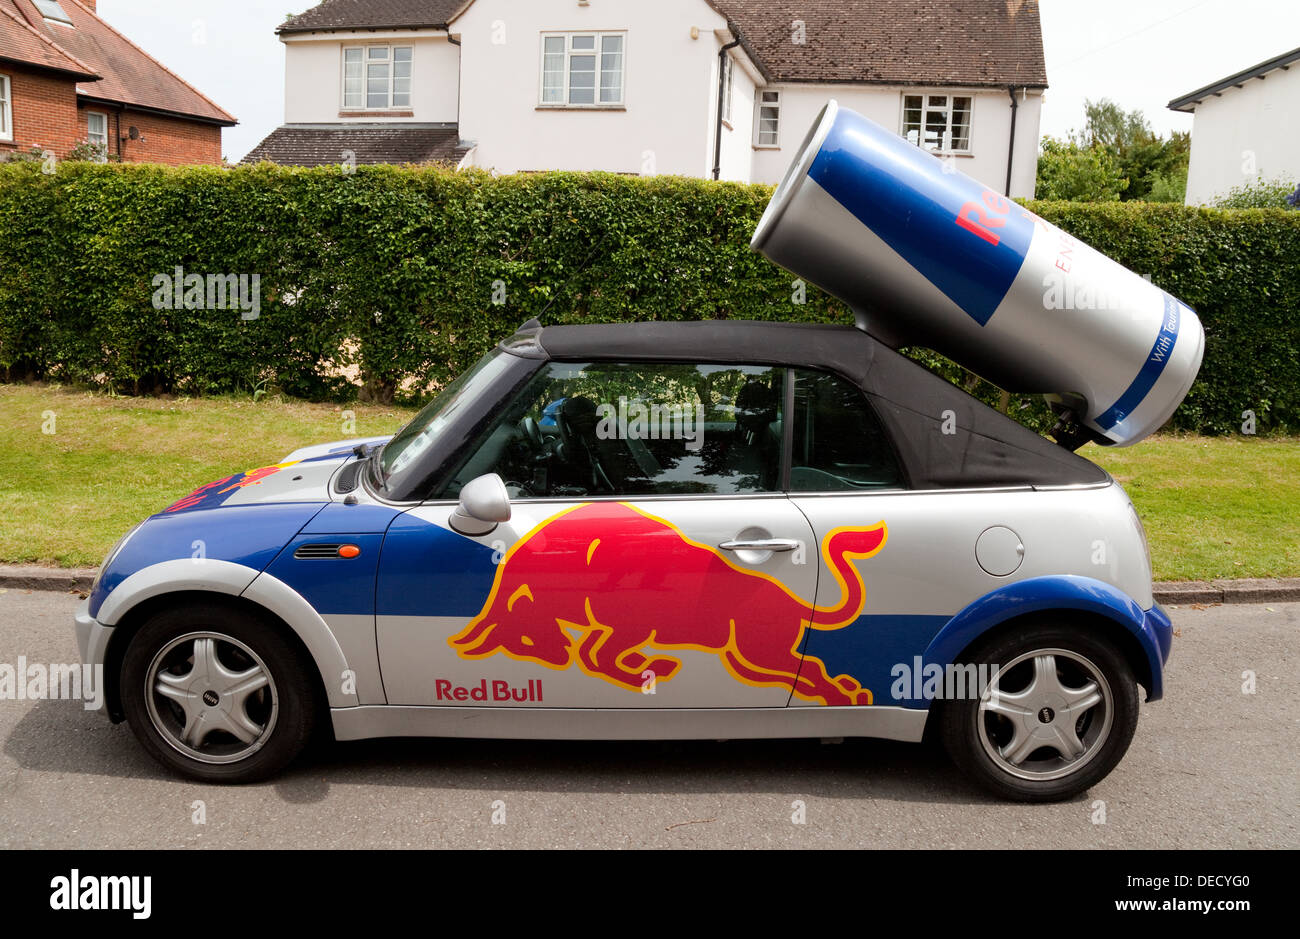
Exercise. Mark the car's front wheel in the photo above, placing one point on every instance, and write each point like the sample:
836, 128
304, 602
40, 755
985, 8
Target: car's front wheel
1056, 712
217, 694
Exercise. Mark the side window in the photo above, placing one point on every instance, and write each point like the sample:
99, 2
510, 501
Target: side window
839, 444
636, 429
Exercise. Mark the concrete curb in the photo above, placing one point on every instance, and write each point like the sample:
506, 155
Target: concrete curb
1175, 593
62, 580
1268, 590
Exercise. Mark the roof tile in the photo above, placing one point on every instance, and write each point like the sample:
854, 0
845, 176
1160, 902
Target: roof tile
930, 42
370, 14
21, 42
128, 74
907, 42
315, 145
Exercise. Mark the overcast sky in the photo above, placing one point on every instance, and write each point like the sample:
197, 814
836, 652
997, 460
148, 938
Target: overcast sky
1141, 53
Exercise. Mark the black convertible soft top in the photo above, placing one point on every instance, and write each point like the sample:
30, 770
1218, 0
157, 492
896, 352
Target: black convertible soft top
985, 449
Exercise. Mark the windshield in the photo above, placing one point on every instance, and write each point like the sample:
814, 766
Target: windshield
416, 437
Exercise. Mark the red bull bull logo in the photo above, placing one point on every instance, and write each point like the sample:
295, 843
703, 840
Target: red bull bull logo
213, 494
608, 588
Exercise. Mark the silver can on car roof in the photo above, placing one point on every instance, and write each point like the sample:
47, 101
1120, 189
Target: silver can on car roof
925, 255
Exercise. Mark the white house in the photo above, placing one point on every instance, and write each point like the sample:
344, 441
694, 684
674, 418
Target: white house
721, 88
1244, 127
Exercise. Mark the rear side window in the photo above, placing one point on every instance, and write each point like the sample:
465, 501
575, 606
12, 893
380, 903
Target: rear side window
839, 443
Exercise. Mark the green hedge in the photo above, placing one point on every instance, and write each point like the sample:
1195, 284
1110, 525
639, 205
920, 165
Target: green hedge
391, 273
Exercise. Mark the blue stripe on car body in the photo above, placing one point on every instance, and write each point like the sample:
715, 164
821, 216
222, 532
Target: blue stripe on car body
251, 535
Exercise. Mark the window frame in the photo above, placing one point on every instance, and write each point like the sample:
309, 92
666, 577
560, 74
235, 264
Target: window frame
391, 61
6, 109
951, 95
566, 86
759, 105
60, 17
90, 134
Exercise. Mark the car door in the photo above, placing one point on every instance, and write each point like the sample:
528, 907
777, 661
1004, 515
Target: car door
881, 600
651, 560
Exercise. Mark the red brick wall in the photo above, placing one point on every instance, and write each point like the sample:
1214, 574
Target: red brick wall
166, 140
44, 112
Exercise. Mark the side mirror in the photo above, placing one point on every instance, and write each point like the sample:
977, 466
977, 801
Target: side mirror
484, 504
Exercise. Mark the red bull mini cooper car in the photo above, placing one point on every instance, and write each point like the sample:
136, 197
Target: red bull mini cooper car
650, 531
705, 530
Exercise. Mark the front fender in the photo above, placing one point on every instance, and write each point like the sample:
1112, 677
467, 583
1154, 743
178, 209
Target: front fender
248, 536
1151, 628
223, 577
206, 574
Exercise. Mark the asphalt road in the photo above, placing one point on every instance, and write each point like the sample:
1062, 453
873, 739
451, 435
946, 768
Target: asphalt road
1210, 767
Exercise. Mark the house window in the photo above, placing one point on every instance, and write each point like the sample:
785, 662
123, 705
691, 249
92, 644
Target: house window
51, 10
376, 78
938, 122
6, 112
767, 120
583, 69
97, 132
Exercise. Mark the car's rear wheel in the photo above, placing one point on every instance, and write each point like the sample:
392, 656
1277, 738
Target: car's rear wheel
1053, 718
217, 694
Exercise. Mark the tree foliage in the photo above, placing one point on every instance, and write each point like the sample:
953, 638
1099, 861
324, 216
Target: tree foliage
1260, 194
1117, 156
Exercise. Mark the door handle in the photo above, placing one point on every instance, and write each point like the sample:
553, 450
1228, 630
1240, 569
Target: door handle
761, 544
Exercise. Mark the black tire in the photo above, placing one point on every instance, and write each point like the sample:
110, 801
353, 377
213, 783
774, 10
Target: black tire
969, 734
243, 644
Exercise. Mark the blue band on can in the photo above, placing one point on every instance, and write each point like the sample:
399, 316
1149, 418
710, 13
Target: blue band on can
967, 240
1151, 371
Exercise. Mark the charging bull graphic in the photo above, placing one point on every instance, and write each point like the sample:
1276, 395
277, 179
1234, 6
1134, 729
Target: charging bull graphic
628, 582
213, 494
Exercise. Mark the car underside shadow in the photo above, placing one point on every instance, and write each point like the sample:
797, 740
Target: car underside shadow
855, 769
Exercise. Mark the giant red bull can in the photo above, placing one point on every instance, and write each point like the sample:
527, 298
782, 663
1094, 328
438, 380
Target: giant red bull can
927, 256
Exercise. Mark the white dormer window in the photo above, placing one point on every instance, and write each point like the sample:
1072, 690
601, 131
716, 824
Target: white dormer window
51, 10
377, 78
583, 69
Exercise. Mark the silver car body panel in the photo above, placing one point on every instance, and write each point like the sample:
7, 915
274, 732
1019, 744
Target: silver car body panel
889, 723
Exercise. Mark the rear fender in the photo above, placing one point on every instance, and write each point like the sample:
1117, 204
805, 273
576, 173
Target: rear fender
1150, 629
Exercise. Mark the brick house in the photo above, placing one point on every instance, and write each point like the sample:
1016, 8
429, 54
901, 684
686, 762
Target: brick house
67, 77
